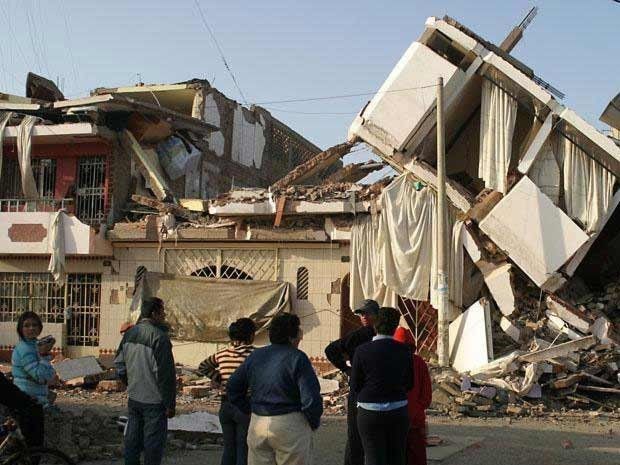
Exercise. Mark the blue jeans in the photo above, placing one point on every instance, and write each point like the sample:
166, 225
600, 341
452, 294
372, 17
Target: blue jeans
235, 426
147, 428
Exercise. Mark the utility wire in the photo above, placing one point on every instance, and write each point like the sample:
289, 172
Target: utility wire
334, 97
68, 37
221, 52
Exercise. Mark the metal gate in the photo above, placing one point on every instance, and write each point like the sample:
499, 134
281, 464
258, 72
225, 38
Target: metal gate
89, 199
422, 320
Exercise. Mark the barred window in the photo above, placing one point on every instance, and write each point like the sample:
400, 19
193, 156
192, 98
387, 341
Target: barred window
43, 170
302, 283
37, 292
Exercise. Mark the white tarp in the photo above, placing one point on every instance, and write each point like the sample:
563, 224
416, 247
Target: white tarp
405, 238
57, 242
497, 123
4, 120
588, 187
24, 147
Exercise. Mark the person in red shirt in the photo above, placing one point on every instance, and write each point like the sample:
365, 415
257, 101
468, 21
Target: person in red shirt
419, 399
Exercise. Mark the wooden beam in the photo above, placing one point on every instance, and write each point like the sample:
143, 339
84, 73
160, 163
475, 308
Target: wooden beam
148, 159
313, 166
162, 207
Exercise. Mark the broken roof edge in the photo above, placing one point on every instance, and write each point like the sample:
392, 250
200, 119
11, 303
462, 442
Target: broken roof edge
611, 114
292, 207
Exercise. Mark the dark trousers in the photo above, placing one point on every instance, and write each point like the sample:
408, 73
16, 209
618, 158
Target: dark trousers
32, 423
384, 436
147, 427
235, 426
416, 446
354, 452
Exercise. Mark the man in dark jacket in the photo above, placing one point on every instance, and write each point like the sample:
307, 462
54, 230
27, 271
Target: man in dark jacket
285, 403
340, 353
28, 412
144, 362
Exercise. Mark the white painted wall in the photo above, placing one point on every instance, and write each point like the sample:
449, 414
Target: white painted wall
248, 142
77, 234
9, 337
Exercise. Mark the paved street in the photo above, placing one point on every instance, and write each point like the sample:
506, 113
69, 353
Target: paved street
524, 442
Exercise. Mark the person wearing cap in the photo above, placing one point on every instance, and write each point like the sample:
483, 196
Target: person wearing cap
419, 399
381, 376
340, 353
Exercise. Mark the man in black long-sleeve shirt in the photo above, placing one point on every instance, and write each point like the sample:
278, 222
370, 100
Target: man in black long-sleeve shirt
340, 353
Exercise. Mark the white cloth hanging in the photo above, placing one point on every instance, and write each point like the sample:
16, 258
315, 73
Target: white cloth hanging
4, 120
24, 147
588, 187
57, 244
498, 113
406, 238
365, 276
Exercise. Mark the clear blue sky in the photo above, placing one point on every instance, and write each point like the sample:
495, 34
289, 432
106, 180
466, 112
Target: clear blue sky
292, 49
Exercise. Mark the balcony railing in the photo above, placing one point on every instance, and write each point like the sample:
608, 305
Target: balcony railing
35, 205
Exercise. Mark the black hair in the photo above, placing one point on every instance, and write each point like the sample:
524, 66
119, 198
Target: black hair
27, 316
242, 330
387, 321
151, 305
283, 328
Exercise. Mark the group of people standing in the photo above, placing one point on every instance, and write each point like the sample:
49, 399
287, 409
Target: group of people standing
271, 400
270, 396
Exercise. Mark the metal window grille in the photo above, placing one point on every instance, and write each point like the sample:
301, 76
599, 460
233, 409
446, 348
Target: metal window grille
83, 297
44, 171
90, 189
302, 283
37, 292
421, 318
257, 264
248, 264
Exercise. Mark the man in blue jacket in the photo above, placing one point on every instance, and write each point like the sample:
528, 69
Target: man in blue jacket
144, 362
285, 397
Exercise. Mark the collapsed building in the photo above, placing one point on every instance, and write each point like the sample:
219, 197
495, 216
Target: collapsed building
532, 192
87, 157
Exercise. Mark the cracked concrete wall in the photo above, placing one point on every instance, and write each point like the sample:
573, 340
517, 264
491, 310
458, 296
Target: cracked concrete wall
251, 149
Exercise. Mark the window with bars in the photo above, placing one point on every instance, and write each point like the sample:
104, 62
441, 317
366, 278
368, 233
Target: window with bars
37, 292
302, 283
90, 190
44, 171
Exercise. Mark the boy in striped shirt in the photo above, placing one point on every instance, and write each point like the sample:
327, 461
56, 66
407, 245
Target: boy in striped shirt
219, 367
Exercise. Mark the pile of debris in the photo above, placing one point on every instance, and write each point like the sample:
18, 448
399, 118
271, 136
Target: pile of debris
87, 435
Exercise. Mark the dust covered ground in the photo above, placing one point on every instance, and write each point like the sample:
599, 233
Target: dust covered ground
566, 439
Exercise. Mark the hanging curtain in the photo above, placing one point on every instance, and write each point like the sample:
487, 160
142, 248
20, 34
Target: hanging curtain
498, 115
57, 244
588, 187
365, 275
4, 120
405, 238
24, 147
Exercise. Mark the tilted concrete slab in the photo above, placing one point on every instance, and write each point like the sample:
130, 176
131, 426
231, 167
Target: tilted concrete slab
470, 336
409, 90
611, 115
538, 236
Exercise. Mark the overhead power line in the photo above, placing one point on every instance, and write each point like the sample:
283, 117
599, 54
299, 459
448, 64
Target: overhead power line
221, 52
334, 97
